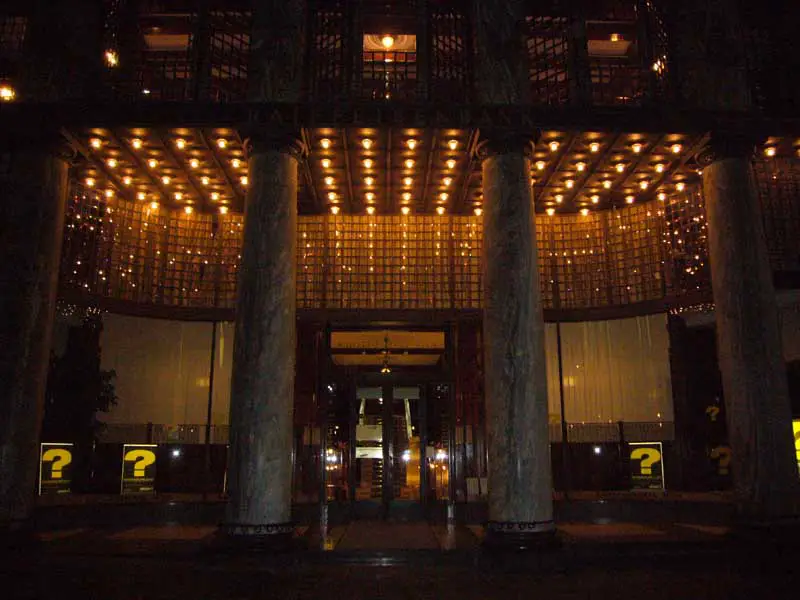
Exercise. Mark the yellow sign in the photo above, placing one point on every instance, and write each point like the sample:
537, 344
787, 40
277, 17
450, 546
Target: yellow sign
647, 467
55, 474
796, 431
722, 454
138, 468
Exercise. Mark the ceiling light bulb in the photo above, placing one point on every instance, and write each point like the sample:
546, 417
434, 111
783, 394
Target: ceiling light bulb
406, 196
585, 212
111, 57
95, 143
407, 181
770, 151
659, 168
581, 166
154, 205
7, 93
595, 199
607, 184
553, 146
370, 210
141, 196
643, 184
204, 180
615, 37
594, 147
366, 143
559, 198
112, 163
326, 163
440, 210
451, 163
662, 196
569, 183
637, 147
328, 181
180, 143
550, 211
409, 163
178, 196
387, 41
540, 164
244, 180
332, 196
676, 148
478, 211
109, 193
165, 180
680, 186
194, 163
334, 210
447, 181
412, 143
620, 167
223, 210
89, 182
325, 143
629, 199
367, 163
405, 209
152, 163
127, 180
215, 196
443, 196
188, 210
369, 196
369, 181
452, 144
136, 143
222, 143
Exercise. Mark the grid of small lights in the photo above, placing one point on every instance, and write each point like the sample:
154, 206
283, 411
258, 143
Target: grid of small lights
181, 167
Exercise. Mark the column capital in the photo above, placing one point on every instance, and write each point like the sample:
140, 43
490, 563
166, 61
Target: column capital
504, 142
286, 141
723, 146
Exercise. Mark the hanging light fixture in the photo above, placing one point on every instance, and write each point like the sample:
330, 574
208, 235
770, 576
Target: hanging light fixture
386, 369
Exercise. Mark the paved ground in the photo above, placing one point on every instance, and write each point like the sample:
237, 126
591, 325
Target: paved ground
615, 560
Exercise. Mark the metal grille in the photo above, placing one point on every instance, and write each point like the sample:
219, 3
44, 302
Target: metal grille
685, 241
230, 50
615, 81
549, 59
778, 181
166, 75
450, 59
389, 75
329, 50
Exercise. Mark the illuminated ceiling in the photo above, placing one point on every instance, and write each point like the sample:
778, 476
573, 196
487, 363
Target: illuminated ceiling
388, 171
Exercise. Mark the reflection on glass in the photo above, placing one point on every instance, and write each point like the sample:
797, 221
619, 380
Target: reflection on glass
405, 448
369, 444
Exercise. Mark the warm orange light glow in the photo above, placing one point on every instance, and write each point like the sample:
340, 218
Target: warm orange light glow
222, 143
581, 166
142, 196
326, 163
594, 147
7, 93
136, 143
676, 148
540, 164
620, 167
387, 41
443, 196
680, 186
440, 210
770, 151
451, 163
194, 163
659, 168
366, 143
447, 181
406, 196
112, 163
367, 163
188, 210
153, 205
607, 184
152, 163
215, 196
332, 196
615, 37
409, 163
223, 210
369, 181
585, 212
127, 180
554, 146
325, 143
244, 180
569, 183
629, 199
637, 147
550, 211
369, 196
111, 58
643, 184
178, 196
595, 199
165, 180
89, 182
370, 210
236, 163
662, 196
109, 193
478, 211
328, 181
407, 181
405, 209
559, 198
95, 143
205, 180
334, 210
452, 144
412, 143
180, 143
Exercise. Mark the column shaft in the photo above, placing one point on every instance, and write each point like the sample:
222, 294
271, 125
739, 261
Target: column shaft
749, 343
32, 198
520, 485
262, 394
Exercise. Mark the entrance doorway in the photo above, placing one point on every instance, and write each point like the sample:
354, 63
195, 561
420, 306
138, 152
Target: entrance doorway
388, 431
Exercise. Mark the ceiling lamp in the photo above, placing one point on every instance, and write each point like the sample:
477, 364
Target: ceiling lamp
165, 180
540, 164
109, 193
222, 143
770, 151
407, 181
332, 196
244, 180
369, 196
329, 181
142, 196
594, 147
127, 180
223, 210
405, 209
95, 143
366, 143
443, 196
615, 37
152, 163
585, 212
194, 163
595, 199
326, 163
325, 143
334, 210
620, 167
662, 196
369, 181
637, 147
451, 163
607, 184
581, 166
180, 143
112, 163
406, 196
387, 41
136, 143
178, 196
204, 180
7, 92
680, 186
447, 181
188, 210
643, 184
554, 146
370, 210
409, 163
440, 210
215, 196
659, 168
412, 143
452, 144
676, 148
112, 58
367, 163
629, 199
559, 198
478, 211
154, 205
550, 211
569, 183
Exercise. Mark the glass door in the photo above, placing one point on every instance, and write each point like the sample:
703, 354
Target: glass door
406, 450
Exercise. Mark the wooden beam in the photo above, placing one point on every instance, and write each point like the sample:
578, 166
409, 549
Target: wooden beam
122, 189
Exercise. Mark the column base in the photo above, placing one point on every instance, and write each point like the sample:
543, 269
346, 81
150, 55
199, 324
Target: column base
521, 537
266, 538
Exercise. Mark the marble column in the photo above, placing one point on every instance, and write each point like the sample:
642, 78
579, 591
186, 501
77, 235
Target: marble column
33, 193
262, 387
749, 349
520, 480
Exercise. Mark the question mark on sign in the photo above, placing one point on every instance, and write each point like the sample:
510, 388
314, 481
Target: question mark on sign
723, 454
142, 458
713, 412
648, 457
60, 459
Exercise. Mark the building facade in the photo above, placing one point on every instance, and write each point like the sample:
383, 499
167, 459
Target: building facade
414, 253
